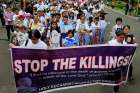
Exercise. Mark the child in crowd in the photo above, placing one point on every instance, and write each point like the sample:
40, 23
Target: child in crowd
69, 41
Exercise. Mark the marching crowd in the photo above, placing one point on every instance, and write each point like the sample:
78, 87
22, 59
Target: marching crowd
60, 23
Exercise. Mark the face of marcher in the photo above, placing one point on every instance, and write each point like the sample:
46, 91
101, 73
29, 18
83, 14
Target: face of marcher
126, 30
96, 21
70, 35
65, 20
120, 38
82, 19
21, 29
54, 25
65, 13
71, 14
57, 17
119, 22
34, 40
39, 1
8, 9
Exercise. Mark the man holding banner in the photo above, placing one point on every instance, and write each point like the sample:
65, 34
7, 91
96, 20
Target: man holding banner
120, 40
40, 70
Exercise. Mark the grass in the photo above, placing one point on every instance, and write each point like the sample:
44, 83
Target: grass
120, 6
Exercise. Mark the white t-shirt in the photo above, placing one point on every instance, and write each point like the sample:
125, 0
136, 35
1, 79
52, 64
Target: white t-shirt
54, 38
40, 7
39, 45
103, 24
115, 42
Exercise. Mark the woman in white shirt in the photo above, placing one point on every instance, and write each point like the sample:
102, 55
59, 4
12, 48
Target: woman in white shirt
54, 35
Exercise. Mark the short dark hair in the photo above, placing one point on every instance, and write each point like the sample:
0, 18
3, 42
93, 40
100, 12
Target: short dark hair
96, 18
119, 32
102, 17
58, 14
36, 34
118, 19
70, 31
128, 26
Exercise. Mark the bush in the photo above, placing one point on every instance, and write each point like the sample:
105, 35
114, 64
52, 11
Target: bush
120, 4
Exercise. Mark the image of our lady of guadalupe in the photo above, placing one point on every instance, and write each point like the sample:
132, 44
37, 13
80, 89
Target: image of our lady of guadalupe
83, 37
96, 35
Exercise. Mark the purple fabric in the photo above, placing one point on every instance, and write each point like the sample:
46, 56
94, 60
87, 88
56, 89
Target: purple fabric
59, 76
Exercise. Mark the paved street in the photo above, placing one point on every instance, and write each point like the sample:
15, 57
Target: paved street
6, 78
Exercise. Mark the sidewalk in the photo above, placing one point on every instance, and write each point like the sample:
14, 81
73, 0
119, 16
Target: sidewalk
3, 33
114, 10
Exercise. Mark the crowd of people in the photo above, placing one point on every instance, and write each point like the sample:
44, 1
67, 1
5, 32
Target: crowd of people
62, 23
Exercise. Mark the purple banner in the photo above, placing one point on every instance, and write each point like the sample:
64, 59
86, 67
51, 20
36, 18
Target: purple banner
38, 70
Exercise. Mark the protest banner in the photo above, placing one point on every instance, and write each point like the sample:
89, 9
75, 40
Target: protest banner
38, 70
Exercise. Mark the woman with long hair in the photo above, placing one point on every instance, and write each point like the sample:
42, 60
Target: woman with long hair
54, 35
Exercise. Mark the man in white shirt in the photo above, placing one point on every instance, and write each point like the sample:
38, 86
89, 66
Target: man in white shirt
119, 24
119, 40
